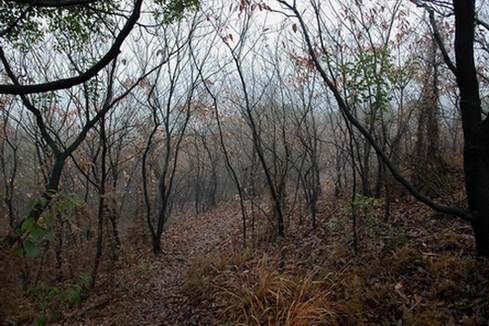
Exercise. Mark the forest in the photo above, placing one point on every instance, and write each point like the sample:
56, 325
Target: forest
278, 162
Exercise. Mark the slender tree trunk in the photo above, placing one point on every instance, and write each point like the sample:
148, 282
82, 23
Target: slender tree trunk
156, 241
101, 204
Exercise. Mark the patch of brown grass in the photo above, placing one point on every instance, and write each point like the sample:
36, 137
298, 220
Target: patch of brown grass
267, 294
197, 277
420, 272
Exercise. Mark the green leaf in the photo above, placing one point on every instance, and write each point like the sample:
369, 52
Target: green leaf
18, 233
74, 294
49, 235
47, 220
32, 292
39, 291
19, 251
37, 233
44, 202
62, 297
51, 192
85, 280
31, 203
60, 206
66, 217
42, 320
54, 314
27, 224
30, 248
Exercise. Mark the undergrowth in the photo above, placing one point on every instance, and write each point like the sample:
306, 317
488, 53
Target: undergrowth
417, 269
421, 271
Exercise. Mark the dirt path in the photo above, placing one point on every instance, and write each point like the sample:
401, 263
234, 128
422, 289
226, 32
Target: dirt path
210, 234
421, 269
148, 291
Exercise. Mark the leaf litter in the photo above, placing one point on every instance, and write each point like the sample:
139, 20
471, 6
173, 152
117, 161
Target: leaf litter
419, 269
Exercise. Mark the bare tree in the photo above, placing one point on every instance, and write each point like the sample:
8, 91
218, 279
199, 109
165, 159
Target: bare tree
476, 159
169, 98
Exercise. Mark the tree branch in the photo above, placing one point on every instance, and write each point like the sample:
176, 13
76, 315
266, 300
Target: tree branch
94, 70
482, 23
345, 109
441, 45
22, 16
27, 103
55, 3
437, 35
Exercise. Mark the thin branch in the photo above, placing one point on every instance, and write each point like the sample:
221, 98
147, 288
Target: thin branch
16, 22
437, 35
482, 23
441, 45
55, 3
347, 113
28, 104
94, 70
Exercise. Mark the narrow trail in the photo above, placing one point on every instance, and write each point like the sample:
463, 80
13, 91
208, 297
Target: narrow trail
148, 291
211, 234
420, 269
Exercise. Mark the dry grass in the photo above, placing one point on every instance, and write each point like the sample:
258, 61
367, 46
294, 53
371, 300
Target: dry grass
264, 292
421, 272
198, 278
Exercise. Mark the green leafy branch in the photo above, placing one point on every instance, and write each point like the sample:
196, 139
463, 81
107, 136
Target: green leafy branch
48, 295
363, 205
170, 11
373, 75
37, 231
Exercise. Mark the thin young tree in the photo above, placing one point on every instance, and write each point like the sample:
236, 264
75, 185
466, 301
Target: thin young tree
475, 127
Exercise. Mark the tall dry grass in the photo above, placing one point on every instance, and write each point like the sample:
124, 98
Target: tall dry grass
271, 294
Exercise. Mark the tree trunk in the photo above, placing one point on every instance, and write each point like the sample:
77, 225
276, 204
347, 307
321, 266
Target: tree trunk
476, 130
156, 240
476, 165
481, 232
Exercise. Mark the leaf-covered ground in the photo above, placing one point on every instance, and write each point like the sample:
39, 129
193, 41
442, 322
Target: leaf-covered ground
419, 269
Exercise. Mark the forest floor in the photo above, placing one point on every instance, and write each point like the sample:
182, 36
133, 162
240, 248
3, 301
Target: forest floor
418, 269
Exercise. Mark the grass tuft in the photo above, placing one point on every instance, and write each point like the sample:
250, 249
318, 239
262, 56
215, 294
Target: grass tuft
267, 294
